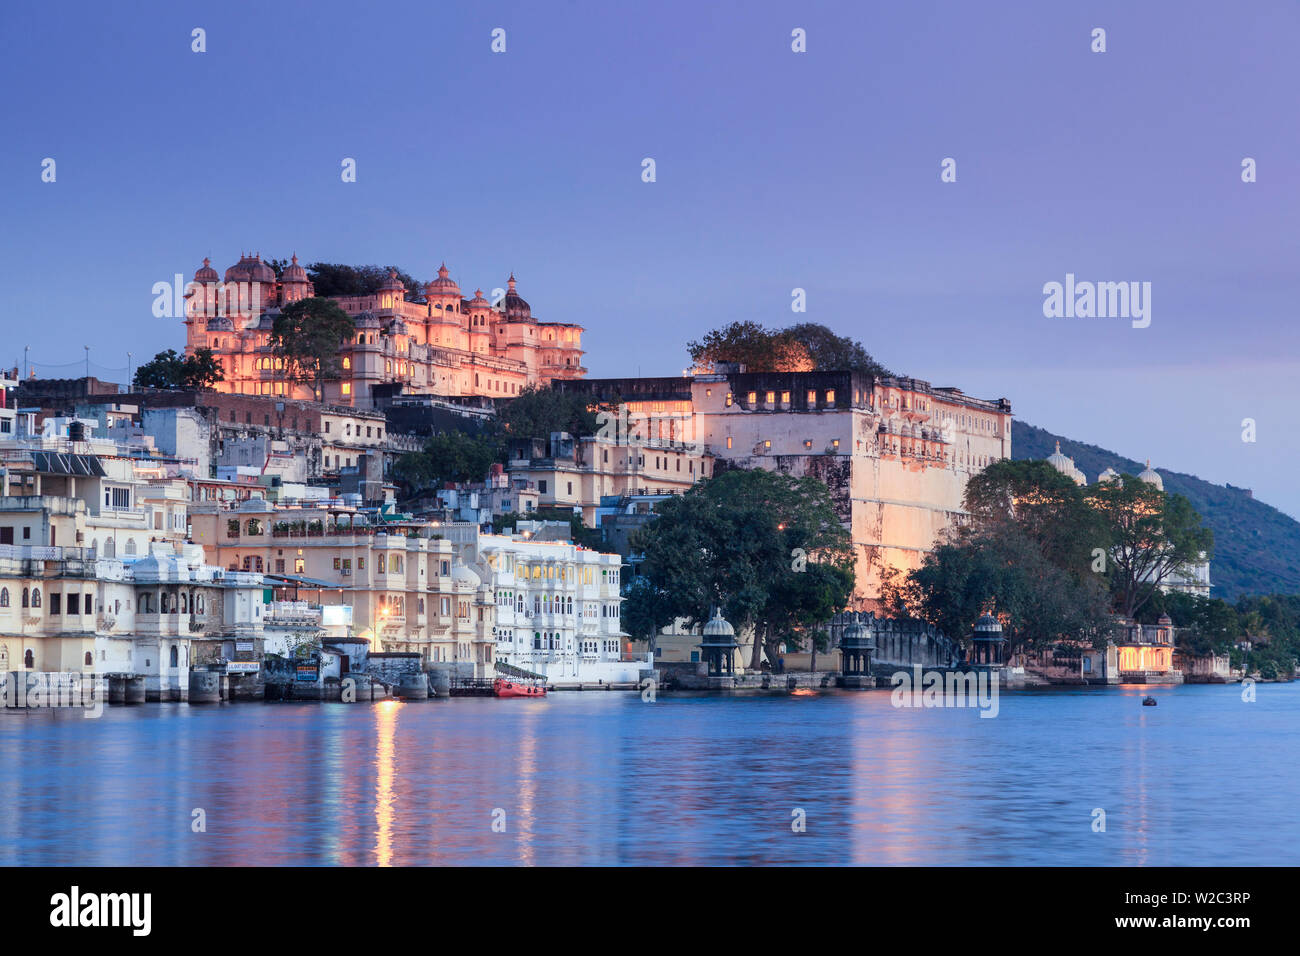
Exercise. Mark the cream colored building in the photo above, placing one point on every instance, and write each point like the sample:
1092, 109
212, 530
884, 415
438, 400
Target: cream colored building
896, 453
405, 585
557, 607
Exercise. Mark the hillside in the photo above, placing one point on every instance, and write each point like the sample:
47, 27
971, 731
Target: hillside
1256, 547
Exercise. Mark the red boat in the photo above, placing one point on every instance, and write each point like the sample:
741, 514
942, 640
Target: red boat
502, 687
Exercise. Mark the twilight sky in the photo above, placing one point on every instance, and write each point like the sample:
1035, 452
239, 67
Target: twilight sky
775, 170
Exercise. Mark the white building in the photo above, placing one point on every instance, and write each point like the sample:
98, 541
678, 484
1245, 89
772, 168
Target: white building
557, 607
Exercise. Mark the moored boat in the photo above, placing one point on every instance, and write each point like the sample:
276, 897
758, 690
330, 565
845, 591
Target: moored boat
504, 687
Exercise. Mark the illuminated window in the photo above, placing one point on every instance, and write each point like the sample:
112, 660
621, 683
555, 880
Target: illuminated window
753, 398
728, 441
771, 397
785, 398
812, 397
767, 443
347, 388
830, 396
347, 362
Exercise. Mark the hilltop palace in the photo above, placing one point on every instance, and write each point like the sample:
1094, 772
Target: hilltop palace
447, 345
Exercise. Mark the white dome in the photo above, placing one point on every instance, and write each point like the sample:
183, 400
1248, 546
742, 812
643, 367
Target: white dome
1110, 474
1150, 476
460, 574
1065, 466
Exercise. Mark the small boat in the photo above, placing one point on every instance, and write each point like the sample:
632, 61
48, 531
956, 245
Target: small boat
1148, 701
502, 687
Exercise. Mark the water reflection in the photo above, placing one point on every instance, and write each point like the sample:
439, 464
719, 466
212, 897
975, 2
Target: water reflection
607, 779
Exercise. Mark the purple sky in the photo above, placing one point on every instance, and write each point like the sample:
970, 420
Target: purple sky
775, 170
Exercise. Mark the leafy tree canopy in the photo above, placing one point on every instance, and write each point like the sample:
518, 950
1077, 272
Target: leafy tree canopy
799, 348
306, 335
332, 279
539, 410
766, 548
447, 456
169, 370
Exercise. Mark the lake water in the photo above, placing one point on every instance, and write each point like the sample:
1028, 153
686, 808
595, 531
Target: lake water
605, 778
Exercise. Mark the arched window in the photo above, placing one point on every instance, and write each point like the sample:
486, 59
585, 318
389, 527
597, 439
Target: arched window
173, 656
130, 546
110, 548
36, 597
90, 660
27, 598
29, 660
4, 597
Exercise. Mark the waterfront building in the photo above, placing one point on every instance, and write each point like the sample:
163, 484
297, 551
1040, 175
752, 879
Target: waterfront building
1146, 652
988, 645
557, 606
896, 453
96, 576
449, 344
403, 581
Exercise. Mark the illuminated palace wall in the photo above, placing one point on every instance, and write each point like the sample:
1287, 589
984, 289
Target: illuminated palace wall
449, 345
896, 453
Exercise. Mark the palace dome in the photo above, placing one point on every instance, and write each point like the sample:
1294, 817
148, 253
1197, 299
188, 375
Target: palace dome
250, 269
1150, 476
515, 305
988, 624
1065, 466
294, 272
392, 283
1110, 474
478, 302
443, 285
205, 273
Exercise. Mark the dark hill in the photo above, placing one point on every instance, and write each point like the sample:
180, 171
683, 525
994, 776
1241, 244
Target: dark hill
1256, 547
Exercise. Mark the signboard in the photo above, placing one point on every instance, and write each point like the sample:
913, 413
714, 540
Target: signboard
336, 615
243, 667
243, 645
309, 673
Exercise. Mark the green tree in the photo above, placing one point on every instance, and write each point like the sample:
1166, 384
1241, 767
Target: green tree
757, 348
1042, 504
201, 370
1152, 535
333, 279
170, 370
766, 548
835, 352
306, 336
646, 610
539, 410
